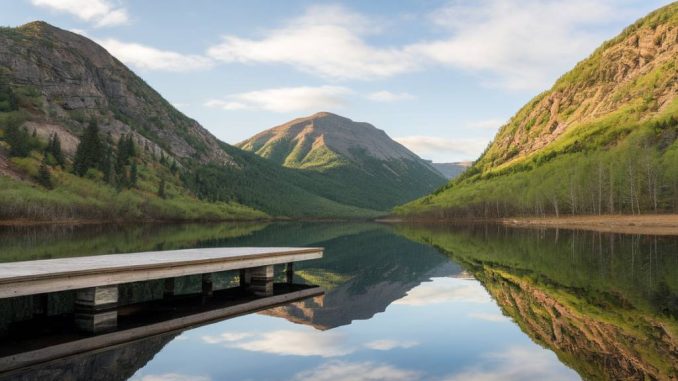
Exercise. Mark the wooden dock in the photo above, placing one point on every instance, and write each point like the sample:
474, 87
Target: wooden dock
33, 362
52, 275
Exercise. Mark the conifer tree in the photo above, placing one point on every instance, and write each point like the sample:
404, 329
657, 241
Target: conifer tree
19, 141
107, 160
44, 175
54, 148
88, 153
161, 189
133, 175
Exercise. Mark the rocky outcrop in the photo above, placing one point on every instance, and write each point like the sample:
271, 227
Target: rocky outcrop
637, 70
69, 79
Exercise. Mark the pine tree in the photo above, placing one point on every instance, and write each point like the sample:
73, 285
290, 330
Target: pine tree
173, 167
54, 148
89, 151
44, 175
131, 147
19, 141
8, 101
133, 175
107, 160
161, 189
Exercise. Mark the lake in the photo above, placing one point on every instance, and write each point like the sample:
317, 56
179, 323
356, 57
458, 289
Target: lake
402, 302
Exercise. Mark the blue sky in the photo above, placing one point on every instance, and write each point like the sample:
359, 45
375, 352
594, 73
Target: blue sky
438, 76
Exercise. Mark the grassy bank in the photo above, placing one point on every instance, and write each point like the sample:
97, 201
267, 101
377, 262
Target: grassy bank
82, 199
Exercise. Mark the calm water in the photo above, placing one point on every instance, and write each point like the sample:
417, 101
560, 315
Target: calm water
405, 303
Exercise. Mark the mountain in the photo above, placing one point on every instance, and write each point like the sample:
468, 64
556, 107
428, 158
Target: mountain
452, 170
601, 140
364, 165
150, 160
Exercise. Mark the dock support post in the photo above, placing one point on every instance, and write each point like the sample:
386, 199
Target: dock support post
289, 272
169, 289
207, 285
96, 308
40, 305
258, 280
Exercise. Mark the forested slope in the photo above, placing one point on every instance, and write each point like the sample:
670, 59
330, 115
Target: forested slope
601, 140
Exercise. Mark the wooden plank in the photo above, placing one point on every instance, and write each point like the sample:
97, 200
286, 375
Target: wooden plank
50, 275
100, 342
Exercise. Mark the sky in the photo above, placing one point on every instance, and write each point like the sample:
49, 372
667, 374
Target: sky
439, 76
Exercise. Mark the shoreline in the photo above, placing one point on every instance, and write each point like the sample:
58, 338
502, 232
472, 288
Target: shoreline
650, 224
21, 222
653, 224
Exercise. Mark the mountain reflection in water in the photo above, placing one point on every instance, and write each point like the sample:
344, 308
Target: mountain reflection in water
402, 302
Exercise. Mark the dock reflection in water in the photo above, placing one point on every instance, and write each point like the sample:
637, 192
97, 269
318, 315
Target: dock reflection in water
411, 302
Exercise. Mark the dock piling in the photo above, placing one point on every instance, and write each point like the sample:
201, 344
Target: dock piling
96, 308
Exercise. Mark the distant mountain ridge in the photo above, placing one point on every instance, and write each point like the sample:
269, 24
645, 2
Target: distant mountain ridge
452, 170
372, 169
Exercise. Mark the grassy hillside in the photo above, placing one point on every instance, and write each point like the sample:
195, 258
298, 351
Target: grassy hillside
180, 170
71, 197
601, 140
350, 162
277, 190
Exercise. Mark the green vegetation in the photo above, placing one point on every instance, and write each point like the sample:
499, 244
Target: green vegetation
606, 304
137, 156
345, 161
639, 174
602, 140
266, 186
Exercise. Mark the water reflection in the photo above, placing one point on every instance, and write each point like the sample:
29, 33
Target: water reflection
413, 302
606, 304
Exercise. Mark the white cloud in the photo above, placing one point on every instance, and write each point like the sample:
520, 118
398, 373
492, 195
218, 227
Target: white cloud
387, 345
513, 44
172, 377
286, 342
519, 44
100, 13
357, 371
146, 57
445, 290
326, 40
226, 337
442, 149
486, 124
492, 317
387, 96
285, 99
518, 363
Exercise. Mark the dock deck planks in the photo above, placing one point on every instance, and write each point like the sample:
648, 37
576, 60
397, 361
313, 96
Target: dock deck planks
51, 275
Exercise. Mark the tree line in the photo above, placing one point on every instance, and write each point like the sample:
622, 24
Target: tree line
639, 176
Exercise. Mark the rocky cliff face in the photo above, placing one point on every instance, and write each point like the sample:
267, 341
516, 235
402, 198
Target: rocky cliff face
67, 79
633, 73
